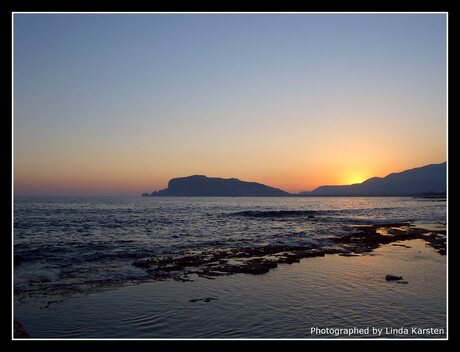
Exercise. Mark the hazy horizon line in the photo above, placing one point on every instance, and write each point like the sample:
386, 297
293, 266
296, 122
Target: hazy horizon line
129, 193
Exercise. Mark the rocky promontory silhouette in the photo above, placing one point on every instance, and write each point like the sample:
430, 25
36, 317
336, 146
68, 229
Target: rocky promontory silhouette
203, 186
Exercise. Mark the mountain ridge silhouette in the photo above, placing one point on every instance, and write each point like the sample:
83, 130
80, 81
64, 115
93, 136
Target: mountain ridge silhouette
425, 180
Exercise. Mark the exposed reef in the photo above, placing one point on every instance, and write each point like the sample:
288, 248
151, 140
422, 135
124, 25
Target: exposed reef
209, 263
260, 260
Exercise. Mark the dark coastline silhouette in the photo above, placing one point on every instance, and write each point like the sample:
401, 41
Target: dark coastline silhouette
202, 186
429, 181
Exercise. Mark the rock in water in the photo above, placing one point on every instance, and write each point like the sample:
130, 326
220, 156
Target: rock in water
19, 330
207, 299
393, 278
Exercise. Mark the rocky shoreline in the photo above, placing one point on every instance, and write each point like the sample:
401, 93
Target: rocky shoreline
215, 262
212, 263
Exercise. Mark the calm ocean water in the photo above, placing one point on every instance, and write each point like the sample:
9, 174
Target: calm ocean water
78, 243
86, 240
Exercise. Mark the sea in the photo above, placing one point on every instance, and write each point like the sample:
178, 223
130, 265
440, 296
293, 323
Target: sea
74, 275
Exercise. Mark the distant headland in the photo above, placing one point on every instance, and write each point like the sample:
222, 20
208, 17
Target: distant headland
428, 181
203, 186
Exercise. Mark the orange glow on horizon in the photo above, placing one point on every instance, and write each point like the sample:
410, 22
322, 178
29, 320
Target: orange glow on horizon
131, 182
105, 174
355, 176
287, 104
353, 179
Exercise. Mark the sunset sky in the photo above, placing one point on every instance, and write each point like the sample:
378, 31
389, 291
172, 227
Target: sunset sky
119, 104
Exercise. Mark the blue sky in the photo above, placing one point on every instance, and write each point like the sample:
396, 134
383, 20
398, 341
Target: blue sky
108, 104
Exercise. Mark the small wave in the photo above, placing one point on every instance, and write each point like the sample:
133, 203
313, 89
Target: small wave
276, 213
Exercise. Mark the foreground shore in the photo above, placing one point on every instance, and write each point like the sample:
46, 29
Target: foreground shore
260, 260
348, 288
210, 263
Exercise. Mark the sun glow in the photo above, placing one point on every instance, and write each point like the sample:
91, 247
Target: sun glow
354, 178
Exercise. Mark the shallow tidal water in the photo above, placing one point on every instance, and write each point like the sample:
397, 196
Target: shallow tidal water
331, 291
